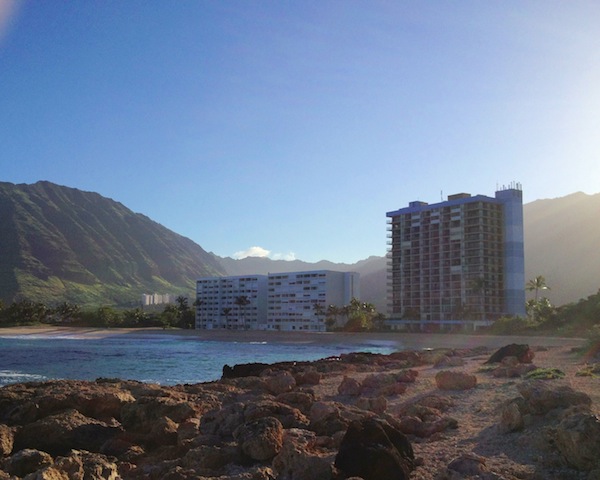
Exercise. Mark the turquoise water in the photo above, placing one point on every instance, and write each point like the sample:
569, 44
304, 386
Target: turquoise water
163, 359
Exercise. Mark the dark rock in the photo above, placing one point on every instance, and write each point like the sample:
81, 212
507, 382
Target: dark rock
58, 434
450, 380
260, 439
577, 437
27, 461
521, 351
374, 450
244, 370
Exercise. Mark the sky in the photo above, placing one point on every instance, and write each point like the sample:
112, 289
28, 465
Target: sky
289, 128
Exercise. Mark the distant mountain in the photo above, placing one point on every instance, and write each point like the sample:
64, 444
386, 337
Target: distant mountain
562, 243
63, 244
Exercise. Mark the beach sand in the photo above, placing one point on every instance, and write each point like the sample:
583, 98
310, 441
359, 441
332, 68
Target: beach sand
401, 341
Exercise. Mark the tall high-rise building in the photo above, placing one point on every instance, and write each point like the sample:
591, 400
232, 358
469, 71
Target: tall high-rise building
460, 261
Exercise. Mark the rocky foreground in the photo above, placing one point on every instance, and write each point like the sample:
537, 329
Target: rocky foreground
442, 414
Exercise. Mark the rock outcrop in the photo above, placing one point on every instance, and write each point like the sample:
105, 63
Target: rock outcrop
353, 416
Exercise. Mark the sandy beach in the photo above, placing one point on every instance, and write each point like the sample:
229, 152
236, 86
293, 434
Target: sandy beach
401, 341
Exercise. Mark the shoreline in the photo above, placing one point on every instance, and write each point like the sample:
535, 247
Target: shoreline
401, 341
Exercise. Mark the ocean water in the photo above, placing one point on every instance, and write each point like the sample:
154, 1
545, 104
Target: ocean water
164, 359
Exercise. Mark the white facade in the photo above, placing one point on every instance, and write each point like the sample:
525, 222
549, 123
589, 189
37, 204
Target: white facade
157, 299
292, 298
277, 302
219, 305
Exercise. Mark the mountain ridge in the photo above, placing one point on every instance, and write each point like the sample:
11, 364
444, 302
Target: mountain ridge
64, 244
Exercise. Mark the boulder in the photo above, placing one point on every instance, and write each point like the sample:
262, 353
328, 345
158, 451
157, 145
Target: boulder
82, 465
386, 384
451, 380
438, 402
512, 415
223, 421
445, 362
308, 377
211, 457
374, 450
349, 386
260, 439
377, 405
300, 459
289, 417
163, 432
522, 352
281, 382
27, 461
297, 399
141, 415
469, 465
541, 397
577, 438
58, 434
7, 438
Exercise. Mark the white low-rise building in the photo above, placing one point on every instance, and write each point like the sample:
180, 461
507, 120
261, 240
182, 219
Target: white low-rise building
291, 301
292, 298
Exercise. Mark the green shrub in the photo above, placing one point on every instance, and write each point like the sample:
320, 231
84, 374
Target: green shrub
545, 374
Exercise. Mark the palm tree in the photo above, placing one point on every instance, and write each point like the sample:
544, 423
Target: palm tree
226, 312
478, 286
242, 301
537, 284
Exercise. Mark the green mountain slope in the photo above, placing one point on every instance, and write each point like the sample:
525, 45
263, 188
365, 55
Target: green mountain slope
62, 244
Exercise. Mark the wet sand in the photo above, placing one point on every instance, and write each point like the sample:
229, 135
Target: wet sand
401, 341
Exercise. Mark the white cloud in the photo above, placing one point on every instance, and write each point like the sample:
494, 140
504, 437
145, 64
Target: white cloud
263, 252
251, 252
283, 256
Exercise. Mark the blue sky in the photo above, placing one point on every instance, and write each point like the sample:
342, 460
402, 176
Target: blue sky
293, 127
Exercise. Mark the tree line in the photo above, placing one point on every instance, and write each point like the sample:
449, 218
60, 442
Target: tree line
357, 316
26, 312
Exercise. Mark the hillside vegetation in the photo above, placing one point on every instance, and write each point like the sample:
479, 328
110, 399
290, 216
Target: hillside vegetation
60, 244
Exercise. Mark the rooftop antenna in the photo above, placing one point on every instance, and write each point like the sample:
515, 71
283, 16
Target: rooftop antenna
441, 195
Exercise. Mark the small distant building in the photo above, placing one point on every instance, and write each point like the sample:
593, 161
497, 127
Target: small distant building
157, 299
276, 302
458, 262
